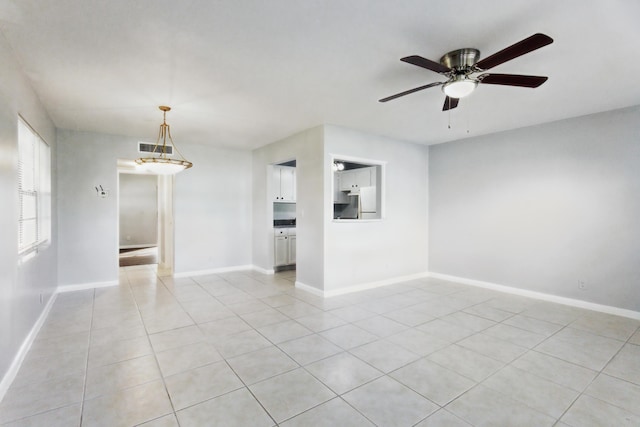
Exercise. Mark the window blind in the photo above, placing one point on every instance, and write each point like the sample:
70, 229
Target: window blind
34, 189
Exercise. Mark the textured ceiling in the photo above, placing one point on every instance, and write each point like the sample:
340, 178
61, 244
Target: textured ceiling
245, 73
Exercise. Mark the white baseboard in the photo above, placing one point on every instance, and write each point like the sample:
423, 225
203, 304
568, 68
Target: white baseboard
214, 271
263, 270
11, 373
372, 285
310, 289
359, 287
541, 296
84, 286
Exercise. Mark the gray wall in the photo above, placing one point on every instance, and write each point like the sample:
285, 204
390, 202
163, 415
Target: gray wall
360, 253
21, 285
334, 256
306, 148
213, 210
138, 206
543, 208
211, 215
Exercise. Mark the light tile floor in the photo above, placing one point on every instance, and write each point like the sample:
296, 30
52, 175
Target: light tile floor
247, 349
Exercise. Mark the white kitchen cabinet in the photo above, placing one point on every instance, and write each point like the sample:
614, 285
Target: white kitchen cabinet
281, 251
339, 196
363, 177
356, 178
284, 251
347, 180
284, 184
292, 249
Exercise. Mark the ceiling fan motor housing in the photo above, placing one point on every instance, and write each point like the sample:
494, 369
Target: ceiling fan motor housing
461, 63
461, 60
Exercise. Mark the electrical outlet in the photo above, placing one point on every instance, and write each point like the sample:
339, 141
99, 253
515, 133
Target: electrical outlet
582, 285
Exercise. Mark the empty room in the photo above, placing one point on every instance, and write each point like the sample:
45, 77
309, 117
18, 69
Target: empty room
317, 213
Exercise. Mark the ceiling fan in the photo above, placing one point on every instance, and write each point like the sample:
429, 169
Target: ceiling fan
459, 65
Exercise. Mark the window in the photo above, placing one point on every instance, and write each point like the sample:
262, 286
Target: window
34, 189
358, 189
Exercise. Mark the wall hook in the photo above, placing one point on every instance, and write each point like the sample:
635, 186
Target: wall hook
101, 192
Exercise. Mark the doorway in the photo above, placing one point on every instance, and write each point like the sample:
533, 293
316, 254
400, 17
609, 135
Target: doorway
138, 219
282, 204
145, 219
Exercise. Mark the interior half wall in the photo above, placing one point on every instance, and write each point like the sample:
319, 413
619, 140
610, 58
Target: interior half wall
365, 253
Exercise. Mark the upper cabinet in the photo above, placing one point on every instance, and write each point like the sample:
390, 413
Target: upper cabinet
339, 196
356, 178
284, 184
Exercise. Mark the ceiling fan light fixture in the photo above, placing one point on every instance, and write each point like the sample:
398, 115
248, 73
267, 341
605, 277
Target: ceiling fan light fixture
162, 164
459, 88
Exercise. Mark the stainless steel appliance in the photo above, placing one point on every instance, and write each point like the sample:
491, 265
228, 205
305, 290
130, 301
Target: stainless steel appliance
362, 205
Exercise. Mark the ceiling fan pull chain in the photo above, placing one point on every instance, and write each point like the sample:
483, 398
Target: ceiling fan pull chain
468, 120
449, 112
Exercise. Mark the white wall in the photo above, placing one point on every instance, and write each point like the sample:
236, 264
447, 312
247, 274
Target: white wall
21, 286
212, 207
542, 208
138, 205
306, 148
361, 253
88, 224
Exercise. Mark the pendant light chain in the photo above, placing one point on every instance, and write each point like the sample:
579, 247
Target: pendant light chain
163, 164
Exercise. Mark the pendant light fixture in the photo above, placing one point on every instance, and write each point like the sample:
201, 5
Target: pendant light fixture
161, 164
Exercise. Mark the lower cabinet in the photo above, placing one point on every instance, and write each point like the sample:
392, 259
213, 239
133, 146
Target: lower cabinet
281, 251
292, 249
284, 247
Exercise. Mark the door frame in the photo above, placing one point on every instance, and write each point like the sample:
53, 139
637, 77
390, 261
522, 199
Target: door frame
166, 236
165, 218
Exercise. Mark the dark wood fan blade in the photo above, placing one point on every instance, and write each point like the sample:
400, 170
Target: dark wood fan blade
512, 80
450, 103
407, 92
527, 45
426, 63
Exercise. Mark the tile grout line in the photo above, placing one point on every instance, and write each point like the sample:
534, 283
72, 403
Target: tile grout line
598, 373
197, 326
155, 357
528, 350
86, 368
248, 389
231, 367
300, 366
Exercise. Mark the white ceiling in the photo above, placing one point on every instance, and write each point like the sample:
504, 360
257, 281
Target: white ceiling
244, 73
